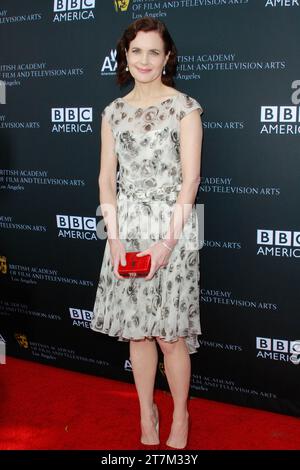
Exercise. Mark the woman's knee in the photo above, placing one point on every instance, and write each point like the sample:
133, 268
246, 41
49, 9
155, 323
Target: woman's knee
143, 342
167, 347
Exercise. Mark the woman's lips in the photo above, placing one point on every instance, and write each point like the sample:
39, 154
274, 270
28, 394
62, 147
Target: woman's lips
143, 70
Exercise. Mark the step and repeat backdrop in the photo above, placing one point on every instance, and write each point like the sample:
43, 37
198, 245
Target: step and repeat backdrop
240, 60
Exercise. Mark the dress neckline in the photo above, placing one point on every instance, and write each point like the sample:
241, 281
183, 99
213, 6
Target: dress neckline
171, 97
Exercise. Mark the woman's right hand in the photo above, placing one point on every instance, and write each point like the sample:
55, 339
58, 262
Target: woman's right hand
117, 255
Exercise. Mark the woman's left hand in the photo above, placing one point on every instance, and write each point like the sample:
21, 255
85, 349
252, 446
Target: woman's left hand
160, 256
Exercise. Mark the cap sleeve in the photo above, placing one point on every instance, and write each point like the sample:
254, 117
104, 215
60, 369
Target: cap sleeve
107, 113
187, 104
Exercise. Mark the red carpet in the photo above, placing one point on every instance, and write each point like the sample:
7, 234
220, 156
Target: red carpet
44, 407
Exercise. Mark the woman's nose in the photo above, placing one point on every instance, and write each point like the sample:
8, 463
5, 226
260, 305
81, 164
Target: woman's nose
144, 59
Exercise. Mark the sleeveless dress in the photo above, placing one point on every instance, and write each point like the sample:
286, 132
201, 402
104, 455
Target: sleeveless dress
147, 146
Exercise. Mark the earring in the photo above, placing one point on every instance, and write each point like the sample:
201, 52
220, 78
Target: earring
164, 70
126, 68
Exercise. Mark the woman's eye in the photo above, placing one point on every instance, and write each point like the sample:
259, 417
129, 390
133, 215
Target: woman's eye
152, 52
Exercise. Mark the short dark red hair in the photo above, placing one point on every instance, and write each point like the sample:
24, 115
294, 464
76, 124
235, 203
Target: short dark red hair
146, 24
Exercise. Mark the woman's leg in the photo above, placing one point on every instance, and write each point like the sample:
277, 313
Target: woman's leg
143, 356
177, 364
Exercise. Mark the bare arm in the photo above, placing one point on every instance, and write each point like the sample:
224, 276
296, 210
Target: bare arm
108, 180
191, 134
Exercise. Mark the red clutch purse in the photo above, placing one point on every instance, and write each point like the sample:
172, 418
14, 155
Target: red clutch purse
135, 266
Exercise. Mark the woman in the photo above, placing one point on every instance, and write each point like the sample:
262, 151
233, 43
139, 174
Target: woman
155, 133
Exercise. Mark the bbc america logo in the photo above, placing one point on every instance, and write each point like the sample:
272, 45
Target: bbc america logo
282, 243
280, 114
282, 3
81, 317
73, 226
72, 120
278, 349
282, 119
73, 10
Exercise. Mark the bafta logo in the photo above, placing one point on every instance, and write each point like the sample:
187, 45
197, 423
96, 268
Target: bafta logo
22, 340
3, 265
121, 5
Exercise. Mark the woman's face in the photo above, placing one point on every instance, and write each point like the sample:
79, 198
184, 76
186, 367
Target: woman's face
146, 56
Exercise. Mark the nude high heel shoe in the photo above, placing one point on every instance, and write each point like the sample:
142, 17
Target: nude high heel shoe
156, 414
156, 417
168, 444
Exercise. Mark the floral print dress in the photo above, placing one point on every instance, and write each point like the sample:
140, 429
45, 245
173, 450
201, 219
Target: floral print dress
147, 146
